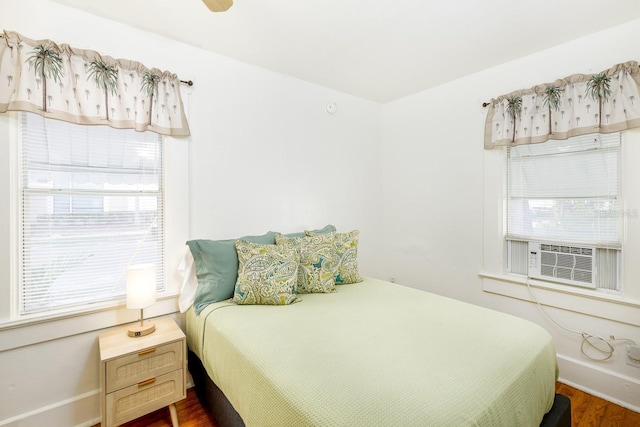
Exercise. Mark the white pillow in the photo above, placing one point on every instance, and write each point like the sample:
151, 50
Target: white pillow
187, 270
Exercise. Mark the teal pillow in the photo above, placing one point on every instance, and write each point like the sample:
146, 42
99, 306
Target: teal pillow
216, 263
326, 229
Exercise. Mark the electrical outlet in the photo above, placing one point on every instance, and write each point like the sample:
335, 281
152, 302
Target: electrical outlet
633, 355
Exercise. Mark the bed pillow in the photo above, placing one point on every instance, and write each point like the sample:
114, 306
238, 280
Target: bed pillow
345, 246
318, 261
187, 270
266, 274
326, 229
216, 263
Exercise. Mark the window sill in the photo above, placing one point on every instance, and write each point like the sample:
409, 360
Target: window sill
25, 332
591, 303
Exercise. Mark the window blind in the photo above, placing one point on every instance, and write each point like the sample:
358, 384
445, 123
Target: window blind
566, 191
91, 204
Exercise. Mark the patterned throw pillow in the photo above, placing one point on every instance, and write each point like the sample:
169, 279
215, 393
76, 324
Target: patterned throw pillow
266, 274
317, 262
345, 248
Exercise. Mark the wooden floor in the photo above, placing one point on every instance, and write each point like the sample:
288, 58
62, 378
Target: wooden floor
591, 411
586, 411
190, 414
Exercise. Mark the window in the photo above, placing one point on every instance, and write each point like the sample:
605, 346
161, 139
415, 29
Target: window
566, 195
91, 203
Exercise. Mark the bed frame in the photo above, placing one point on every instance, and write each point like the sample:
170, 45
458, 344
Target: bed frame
216, 402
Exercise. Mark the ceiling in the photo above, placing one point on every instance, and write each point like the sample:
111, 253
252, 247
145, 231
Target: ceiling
380, 50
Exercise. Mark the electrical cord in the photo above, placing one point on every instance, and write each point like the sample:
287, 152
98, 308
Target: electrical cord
140, 243
596, 343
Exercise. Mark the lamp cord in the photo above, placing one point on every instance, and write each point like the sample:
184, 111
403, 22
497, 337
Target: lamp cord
144, 239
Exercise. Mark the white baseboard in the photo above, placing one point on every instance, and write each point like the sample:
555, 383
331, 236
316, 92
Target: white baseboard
612, 386
78, 411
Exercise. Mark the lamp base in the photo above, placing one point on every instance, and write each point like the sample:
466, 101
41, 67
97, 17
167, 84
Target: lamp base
141, 330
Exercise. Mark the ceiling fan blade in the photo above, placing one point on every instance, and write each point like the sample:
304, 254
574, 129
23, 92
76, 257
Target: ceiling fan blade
218, 5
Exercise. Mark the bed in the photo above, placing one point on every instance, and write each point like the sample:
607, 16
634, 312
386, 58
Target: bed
373, 353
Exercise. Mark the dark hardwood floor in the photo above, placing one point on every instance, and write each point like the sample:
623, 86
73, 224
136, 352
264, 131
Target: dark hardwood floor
586, 411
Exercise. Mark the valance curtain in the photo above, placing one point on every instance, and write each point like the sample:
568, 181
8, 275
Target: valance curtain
85, 87
576, 105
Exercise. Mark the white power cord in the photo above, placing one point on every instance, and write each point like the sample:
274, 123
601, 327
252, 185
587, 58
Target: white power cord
596, 343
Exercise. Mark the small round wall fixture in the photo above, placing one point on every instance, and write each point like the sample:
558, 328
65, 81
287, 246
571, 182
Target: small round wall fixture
331, 108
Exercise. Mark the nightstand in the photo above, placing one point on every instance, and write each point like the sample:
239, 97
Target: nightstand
140, 375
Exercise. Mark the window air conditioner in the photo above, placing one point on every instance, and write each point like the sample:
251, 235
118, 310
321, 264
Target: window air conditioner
573, 265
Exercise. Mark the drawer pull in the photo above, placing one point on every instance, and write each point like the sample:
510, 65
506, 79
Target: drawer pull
146, 351
146, 382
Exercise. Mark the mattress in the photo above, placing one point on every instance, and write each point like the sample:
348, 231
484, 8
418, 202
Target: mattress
376, 354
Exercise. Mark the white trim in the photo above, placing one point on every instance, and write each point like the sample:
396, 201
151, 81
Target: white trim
15, 134
75, 311
20, 334
603, 383
592, 303
63, 412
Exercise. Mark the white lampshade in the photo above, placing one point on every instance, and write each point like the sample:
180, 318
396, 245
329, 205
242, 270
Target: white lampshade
141, 293
141, 285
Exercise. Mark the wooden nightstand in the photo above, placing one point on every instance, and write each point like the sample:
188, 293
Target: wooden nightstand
141, 375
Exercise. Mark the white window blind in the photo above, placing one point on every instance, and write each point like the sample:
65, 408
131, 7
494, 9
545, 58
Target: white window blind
91, 204
566, 191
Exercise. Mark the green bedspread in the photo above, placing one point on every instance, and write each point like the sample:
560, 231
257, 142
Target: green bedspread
376, 354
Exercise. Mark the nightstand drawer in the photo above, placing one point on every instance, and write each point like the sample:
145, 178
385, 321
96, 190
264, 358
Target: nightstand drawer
140, 399
136, 367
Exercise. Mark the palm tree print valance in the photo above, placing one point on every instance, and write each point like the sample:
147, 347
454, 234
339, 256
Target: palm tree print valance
84, 87
576, 105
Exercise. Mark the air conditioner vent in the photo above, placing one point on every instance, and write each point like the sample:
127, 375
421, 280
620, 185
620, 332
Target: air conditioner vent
574, 265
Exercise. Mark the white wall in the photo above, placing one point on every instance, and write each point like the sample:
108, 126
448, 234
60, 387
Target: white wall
443, 200
263, 155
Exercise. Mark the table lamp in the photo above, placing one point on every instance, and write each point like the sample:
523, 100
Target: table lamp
141, 293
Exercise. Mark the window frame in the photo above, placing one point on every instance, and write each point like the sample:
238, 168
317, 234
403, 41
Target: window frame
65, 322
23, 188
620, 307
603, 250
